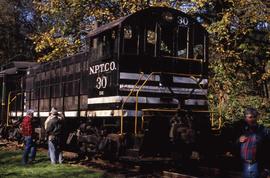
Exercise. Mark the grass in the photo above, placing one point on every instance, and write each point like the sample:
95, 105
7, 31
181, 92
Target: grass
10, 166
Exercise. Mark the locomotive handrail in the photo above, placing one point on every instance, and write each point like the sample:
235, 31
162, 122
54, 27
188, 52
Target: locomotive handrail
219, 113
9, 102
123, 104
174, 110
212, 112
138, 91
185, 59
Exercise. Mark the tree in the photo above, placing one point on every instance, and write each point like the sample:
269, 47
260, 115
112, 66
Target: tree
15, 25
239, 32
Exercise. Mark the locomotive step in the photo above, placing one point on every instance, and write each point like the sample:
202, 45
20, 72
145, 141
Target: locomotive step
133, 152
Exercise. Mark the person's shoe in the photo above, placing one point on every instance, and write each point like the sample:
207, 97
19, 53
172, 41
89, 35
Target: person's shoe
31, 161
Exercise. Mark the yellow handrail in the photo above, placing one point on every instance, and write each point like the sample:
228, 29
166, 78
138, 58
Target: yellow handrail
137, 93
212, 115
184, 59
8, 107
219, 111
161, 110
9, 102
136, 105
212, 112
123, 104
219, 115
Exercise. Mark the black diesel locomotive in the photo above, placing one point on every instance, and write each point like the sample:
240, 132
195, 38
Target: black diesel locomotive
141, 85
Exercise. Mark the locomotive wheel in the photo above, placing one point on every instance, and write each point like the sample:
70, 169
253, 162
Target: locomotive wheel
111, 146
93, 144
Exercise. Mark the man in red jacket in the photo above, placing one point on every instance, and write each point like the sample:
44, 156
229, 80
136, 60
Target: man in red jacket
28, 132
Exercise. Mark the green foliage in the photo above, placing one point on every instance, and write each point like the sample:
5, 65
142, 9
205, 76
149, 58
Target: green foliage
10, 166
239, 54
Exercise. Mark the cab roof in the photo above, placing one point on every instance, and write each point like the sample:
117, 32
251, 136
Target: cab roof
141, 17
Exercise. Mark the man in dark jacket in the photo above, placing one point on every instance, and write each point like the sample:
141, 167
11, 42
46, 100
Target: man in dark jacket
251, 141
27, 131
54, 132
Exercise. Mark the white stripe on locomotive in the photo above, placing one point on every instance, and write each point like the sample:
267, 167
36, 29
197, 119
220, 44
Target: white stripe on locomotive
147, 100
118, 99
46, 114
160, 89
176, 79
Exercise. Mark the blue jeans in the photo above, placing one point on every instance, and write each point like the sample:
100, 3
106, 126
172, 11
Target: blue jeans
250, 170
30, 147
55, 152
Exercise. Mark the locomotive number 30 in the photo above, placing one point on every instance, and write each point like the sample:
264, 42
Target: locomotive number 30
182, 21
101, 82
